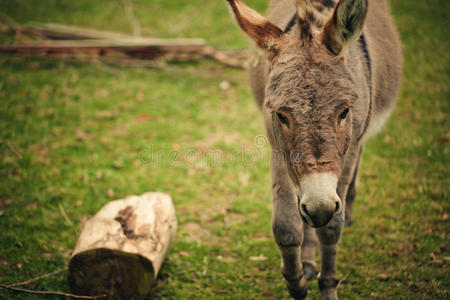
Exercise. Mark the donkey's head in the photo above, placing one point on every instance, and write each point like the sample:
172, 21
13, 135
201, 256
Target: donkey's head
309, 96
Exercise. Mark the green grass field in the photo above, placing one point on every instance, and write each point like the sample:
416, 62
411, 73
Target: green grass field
84, 134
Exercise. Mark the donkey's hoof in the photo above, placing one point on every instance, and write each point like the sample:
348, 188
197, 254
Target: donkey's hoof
328, 288
297, 287
298, 294
309, 270
330, 294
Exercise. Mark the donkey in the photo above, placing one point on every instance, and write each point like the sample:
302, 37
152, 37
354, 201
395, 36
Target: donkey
325, 81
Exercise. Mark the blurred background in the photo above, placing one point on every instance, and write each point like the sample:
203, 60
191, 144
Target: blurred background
78, 133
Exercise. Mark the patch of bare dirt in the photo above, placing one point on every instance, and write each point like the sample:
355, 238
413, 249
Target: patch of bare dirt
195, 232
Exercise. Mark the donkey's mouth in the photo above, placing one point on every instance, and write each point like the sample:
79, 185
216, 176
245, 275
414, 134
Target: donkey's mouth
318, 219
318, 202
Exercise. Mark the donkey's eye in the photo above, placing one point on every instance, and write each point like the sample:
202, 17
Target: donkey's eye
343, 114
283, 119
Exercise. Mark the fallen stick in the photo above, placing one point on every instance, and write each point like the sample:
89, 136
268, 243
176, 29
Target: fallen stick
128, 7
225, 58
69, 39
65, 32
122, 44
143, 48
14, 26
10, 146
10, 22
36, 278
19, 290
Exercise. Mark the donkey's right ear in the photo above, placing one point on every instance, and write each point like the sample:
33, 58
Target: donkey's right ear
345, 25
266, 35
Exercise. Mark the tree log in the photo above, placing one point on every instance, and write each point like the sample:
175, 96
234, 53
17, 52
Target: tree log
64, 32
103, 44
120, 250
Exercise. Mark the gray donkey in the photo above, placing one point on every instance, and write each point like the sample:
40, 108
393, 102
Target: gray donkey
326, 81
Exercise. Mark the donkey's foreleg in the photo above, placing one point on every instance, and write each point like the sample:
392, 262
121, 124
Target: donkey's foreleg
288, 232
330, 234
329, 238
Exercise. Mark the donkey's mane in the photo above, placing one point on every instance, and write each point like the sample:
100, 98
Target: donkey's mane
313, 14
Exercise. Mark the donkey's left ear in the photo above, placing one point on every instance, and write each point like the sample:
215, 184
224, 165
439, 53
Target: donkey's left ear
266, 35
345, 25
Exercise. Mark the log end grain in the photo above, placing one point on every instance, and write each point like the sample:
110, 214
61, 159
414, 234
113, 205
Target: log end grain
118, 274
121, 249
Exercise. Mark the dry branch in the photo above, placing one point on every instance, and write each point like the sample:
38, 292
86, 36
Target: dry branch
14, 288
13, 150
15, 27
18, 290
64, 32
100, 44
136, 27
9, 22
36, 278
151, 49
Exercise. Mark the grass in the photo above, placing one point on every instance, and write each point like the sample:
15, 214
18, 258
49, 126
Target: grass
85, 134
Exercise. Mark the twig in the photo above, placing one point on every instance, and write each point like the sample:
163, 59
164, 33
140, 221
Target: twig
14, 289
106, 68
7, 142
64, 32
37, 278
224, 58
10, 22
15, 27
128, 6
61, 208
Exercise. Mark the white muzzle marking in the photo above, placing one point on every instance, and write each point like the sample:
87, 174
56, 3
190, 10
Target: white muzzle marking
319, 202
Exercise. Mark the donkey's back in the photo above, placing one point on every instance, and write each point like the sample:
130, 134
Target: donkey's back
385, 55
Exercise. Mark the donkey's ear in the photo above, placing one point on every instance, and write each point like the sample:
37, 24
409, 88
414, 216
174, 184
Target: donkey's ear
345, 25
266, 35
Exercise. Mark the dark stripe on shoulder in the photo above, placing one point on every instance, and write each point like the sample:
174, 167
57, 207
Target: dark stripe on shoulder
291, 23
327, 3
363, 44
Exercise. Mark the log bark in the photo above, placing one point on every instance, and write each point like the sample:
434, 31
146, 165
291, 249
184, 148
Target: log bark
121, 249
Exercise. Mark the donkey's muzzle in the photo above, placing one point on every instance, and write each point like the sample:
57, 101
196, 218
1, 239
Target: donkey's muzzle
319, 212
319, 203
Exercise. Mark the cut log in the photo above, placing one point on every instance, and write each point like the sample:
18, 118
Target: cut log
121, 249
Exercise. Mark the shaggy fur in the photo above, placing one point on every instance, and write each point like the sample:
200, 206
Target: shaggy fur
321, 86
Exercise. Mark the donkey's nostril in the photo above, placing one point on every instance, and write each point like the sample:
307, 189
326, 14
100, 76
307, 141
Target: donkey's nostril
338, 206
311, 165
304, 219
304, 209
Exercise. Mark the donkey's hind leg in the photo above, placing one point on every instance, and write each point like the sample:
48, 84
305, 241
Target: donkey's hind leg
351, 193
309, 248
329, 236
